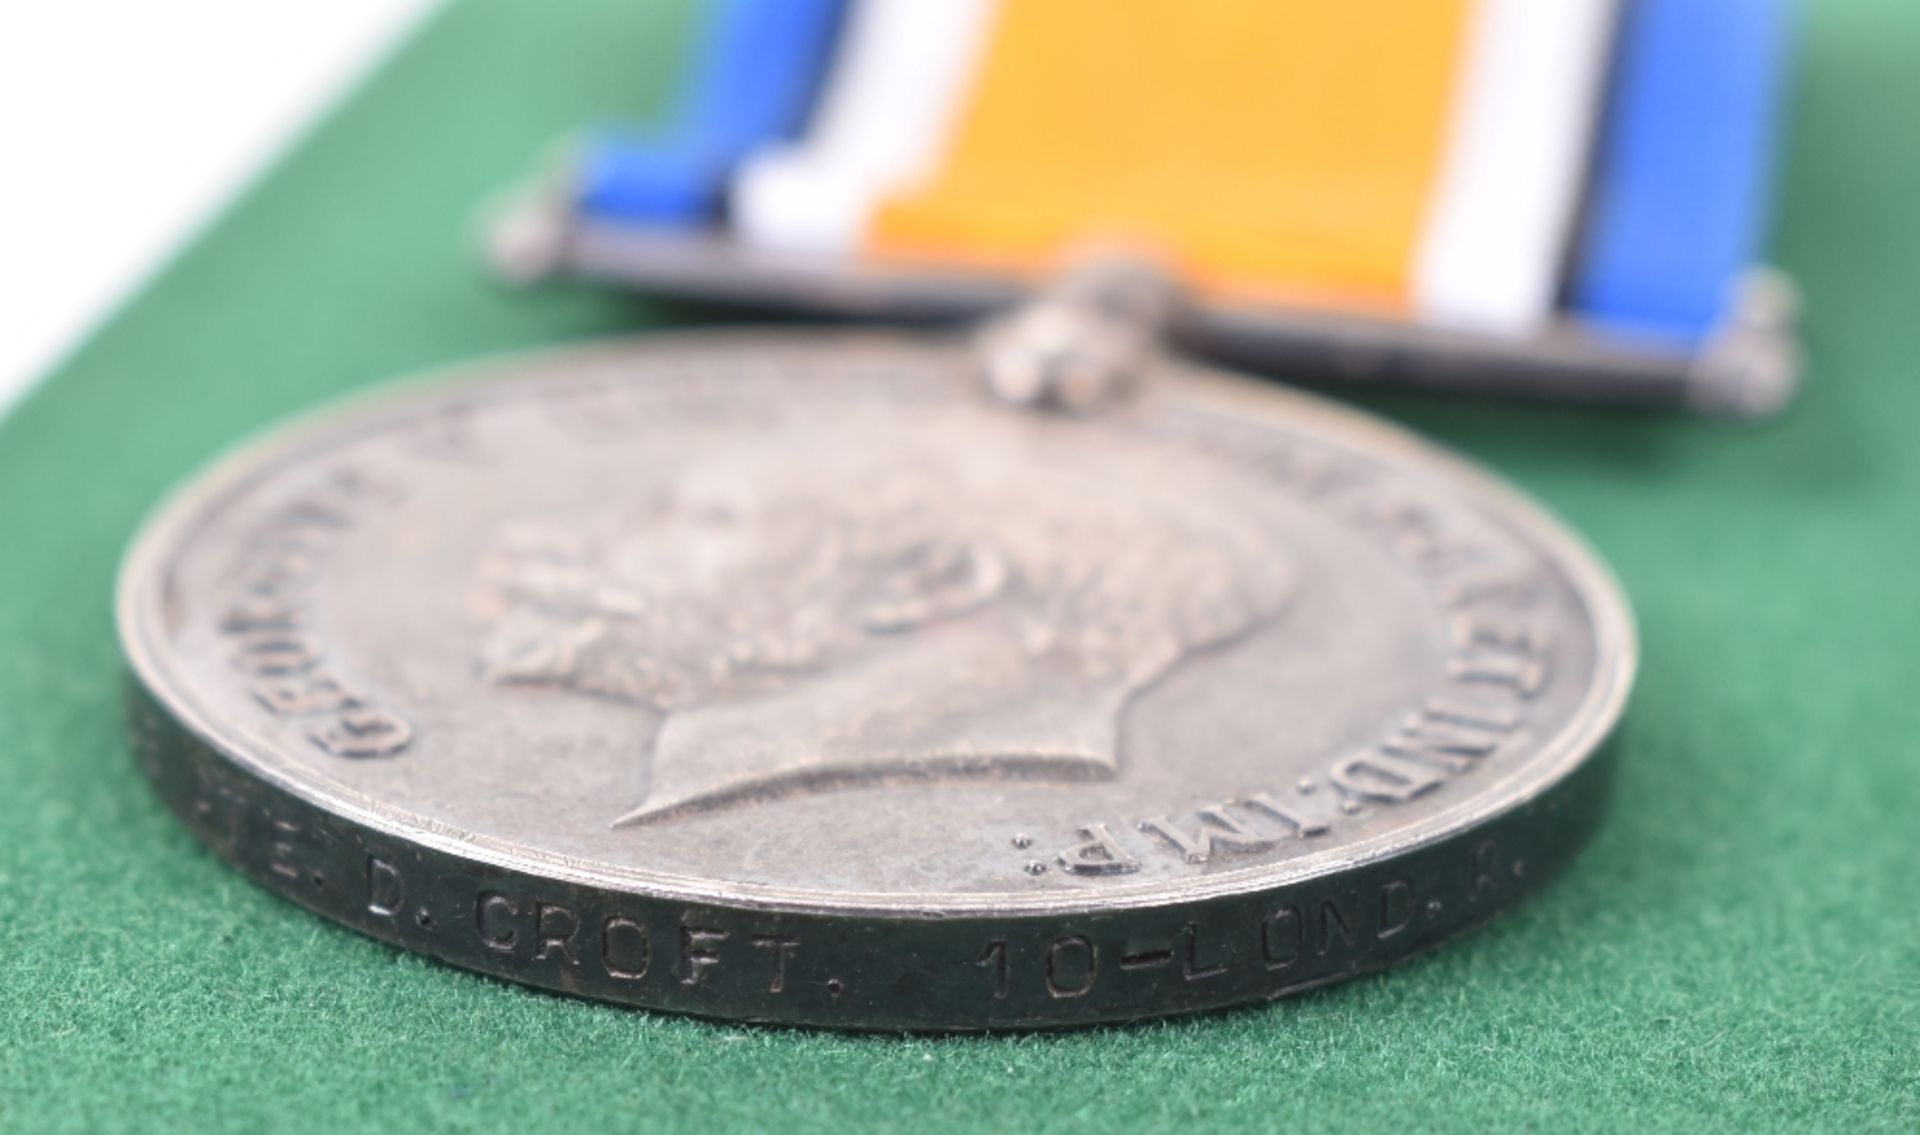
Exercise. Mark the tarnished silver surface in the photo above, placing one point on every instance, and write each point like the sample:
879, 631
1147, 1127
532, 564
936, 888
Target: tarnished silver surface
792, 678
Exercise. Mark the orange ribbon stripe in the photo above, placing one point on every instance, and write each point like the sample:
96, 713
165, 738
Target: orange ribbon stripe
1275, 146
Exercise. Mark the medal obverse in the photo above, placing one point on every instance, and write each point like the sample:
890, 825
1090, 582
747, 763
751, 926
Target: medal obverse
788, 678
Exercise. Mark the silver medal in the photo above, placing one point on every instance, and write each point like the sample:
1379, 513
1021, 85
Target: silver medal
877, 681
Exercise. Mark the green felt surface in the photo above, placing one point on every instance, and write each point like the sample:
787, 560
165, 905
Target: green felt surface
1740, 949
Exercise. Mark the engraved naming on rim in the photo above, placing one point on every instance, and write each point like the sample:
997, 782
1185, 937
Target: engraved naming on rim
807, 624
